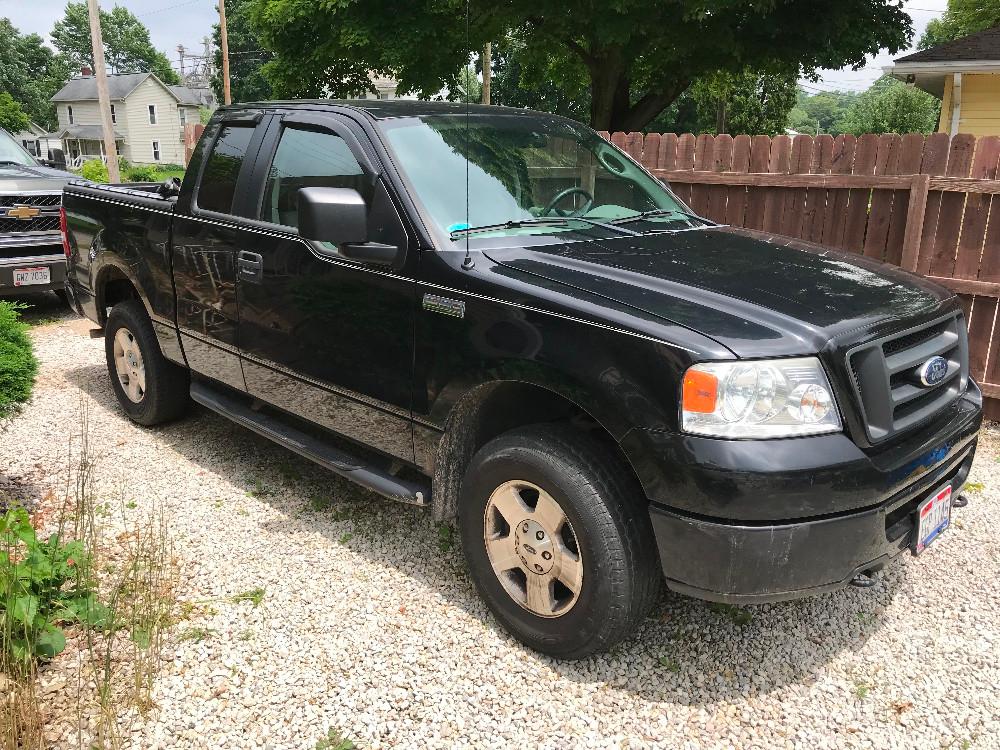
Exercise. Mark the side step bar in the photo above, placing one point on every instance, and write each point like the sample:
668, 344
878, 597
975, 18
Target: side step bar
367, 475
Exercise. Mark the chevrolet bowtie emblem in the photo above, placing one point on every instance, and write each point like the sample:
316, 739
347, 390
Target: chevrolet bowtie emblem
24, 213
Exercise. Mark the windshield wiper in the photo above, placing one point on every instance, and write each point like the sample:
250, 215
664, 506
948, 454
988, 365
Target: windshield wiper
540, 221
663, 212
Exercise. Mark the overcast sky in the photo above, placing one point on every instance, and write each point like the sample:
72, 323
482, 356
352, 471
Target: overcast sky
173, 22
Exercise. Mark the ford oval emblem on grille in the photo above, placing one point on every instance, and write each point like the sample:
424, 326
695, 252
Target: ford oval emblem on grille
933, 371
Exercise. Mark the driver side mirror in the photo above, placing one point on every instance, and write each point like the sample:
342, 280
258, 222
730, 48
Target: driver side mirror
335, 215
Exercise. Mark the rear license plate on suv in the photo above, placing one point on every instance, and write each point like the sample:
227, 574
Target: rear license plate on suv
933, 517
29, 276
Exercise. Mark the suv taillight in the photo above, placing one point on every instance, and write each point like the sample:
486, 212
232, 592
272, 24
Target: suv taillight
64, 231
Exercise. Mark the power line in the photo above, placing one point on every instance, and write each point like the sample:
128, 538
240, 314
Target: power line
166, 8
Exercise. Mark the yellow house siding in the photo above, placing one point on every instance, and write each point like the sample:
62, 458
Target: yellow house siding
980, 114
979, 107
84, 113
167, 129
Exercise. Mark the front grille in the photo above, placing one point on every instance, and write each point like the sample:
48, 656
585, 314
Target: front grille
886, 375
31, 199
38, 224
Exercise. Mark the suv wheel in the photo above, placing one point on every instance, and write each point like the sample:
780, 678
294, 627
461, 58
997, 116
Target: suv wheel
150, 388
558, 540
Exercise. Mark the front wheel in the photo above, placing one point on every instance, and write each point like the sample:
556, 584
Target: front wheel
558, 541
150, 388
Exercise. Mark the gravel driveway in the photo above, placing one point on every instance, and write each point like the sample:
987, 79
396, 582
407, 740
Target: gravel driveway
370, 626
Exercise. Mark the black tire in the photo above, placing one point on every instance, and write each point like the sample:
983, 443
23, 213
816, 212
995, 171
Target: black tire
610, 524
167, 386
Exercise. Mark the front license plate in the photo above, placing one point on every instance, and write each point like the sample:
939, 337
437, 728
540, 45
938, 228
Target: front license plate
29, 276
933, 517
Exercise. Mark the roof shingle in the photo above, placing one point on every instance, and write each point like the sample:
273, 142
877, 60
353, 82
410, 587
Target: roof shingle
983, 45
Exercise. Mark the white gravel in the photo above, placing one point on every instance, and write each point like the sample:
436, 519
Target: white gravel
368, 627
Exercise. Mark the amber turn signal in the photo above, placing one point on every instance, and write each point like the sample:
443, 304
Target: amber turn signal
701, 389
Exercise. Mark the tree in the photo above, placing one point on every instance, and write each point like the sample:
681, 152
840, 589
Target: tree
31, 73
561, 87
820, 113
963, 17
890, 106
127, 48
638, 55
246, 57
13, 119
747, 102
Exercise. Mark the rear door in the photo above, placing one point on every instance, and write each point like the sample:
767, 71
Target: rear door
322, 336
206, 240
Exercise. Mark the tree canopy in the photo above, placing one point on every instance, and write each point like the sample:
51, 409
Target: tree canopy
30, 72
890, 106
637, 56
823, 112
246, 57
963, 17
13, 119
127, 47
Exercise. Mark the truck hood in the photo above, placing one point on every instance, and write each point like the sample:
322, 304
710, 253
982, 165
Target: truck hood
757, 294
25, 177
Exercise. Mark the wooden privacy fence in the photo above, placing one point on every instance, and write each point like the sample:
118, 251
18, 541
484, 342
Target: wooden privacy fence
926, 203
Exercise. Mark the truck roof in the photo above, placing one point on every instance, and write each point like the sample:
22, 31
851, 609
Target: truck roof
384, 109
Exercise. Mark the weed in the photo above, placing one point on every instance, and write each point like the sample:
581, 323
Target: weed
197, 634
974, 486
254, 596
289, 472
131, 505
446, 537
739, 616
346, 537
246, 635
334, 741
259, 490
861, 690
669, 664
319, 503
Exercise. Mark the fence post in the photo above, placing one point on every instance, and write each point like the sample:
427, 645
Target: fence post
915, 221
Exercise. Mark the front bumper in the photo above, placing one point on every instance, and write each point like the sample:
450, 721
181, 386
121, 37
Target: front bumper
57, 273
830, 540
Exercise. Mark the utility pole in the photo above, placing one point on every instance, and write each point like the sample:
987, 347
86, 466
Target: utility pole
487, 72
103, 98
227, 99
180, 51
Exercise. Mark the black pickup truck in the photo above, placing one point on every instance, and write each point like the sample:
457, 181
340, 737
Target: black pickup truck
604, 389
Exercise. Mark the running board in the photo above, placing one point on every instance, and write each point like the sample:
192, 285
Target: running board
348, 466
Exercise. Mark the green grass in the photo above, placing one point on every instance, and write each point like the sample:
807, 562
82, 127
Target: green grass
334, 741
254, 596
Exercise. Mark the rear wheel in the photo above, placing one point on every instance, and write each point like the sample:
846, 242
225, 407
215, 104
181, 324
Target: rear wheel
558, 540
150, 388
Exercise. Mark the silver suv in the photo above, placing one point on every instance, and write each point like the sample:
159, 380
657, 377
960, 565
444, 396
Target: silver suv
31, 250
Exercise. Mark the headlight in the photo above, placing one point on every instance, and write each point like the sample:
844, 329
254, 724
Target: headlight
764, 399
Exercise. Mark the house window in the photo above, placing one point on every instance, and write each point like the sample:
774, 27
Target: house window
114, 117
152, 114
69, 114
183, 116
156, 150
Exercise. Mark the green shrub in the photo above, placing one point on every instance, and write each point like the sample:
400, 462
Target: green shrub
42, 584
94, 170
17, 363
143, 173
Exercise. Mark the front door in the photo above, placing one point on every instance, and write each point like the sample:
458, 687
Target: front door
206, 238
322, 336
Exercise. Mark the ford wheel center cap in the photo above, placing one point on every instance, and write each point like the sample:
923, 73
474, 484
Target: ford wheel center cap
933, 371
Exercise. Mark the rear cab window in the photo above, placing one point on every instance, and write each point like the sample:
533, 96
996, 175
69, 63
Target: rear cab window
217, 188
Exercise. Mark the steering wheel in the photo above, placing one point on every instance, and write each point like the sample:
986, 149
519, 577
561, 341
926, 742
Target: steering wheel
562, 195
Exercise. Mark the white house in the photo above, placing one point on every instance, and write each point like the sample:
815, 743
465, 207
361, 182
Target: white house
37, 142
148, 117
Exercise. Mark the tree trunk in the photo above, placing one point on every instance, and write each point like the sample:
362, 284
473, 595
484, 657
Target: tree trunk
611, 107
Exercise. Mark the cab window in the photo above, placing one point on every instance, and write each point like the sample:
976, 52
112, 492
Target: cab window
308, 158
218, 180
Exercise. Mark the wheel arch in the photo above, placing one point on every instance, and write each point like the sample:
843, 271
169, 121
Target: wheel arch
115, 283
497, 406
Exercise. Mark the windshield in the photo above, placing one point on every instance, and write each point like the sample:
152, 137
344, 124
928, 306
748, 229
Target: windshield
526, 174
10, 151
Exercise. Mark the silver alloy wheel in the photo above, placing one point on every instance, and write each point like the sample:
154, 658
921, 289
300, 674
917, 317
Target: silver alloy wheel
129, 365
533, 548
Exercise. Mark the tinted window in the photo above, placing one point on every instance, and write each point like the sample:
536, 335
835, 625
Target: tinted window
307, 158
218, 181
